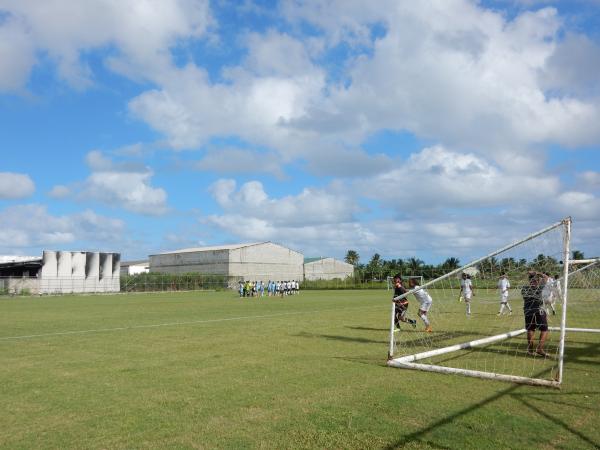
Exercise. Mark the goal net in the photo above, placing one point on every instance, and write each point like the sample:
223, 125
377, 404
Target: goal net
477, 326
584, 297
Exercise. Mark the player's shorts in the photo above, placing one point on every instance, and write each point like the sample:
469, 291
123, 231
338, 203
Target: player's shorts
401, 309
467, 296
504, 298
535, 319
548, 299
425, 305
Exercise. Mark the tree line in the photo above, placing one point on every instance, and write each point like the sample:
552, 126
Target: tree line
379, 269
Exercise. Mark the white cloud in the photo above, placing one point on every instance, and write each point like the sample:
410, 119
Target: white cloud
311, 206
16, 55
59, 191
31, 225
15, 185
129, 190
124, 185
141, 32
437, 178
590, 179
232, 160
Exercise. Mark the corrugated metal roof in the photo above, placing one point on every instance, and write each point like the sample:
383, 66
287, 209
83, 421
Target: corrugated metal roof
212, 248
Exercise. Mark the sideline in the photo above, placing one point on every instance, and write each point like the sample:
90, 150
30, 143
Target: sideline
172, 324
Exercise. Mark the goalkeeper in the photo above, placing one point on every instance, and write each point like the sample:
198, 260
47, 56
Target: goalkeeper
401, 305
535, 314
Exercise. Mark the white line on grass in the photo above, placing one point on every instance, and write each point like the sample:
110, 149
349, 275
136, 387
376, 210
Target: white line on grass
171, 324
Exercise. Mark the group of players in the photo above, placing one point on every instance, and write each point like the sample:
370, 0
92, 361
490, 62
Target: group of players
539, 297
273, 288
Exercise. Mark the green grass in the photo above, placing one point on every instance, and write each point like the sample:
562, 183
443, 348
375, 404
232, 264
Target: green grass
209, 370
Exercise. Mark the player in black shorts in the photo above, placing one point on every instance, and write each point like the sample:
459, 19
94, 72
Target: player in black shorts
401, 304
535, 315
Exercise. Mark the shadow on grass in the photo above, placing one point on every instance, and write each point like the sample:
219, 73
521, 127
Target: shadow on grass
525, 398
352, 339
369, 329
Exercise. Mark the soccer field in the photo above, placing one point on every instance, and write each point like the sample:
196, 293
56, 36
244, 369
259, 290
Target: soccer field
211, 370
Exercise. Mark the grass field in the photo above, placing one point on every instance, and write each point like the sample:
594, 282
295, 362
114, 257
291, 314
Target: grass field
210, 370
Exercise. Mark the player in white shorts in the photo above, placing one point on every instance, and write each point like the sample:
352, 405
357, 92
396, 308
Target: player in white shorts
557, 288
466, 291
503, 287
424, 302
548, 294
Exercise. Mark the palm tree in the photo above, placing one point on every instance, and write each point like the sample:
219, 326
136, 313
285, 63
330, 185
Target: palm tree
414, 264
374, 267
451, 263
352, 257
578, 255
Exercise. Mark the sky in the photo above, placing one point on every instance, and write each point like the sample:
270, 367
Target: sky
435, 129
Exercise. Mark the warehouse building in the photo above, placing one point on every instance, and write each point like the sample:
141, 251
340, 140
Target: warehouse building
261, 261
326, 269
62, 272
135, 267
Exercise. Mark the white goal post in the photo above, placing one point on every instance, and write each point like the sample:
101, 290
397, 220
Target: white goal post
485, 343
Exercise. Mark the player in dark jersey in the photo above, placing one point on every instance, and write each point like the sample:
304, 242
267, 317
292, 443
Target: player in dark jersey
401, 304
535, 314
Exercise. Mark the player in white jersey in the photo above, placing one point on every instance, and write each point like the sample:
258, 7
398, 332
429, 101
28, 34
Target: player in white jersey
557, 288
424, 300
466, 291
503, 287
548, 294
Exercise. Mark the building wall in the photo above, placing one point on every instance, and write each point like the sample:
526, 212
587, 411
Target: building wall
134, 269
266, 261
327, 269
210, 262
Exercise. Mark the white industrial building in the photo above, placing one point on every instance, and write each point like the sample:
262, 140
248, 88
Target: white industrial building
63, 272
326, 269
261, 261
135, 267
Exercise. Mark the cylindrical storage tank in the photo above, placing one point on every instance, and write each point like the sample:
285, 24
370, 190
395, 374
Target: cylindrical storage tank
116, 272
48, 281
65, 272
92, 271
78, 271
105, 272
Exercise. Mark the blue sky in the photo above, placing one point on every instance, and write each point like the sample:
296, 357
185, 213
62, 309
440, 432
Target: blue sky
428, 129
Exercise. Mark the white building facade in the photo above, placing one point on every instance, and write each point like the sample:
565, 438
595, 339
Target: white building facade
327, 269
262, 261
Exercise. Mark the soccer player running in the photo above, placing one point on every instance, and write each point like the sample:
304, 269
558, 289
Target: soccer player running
425, 302
503, 287
401, 305
535, 314
466, 291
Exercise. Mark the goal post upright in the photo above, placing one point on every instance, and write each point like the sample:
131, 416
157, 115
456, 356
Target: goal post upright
563, 319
